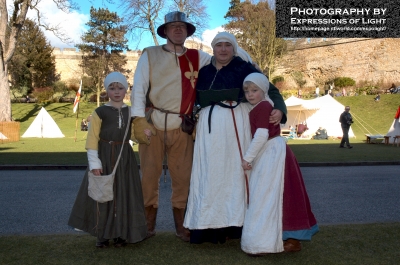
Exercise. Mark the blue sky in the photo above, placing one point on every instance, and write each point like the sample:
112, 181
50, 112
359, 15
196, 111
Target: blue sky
74, 23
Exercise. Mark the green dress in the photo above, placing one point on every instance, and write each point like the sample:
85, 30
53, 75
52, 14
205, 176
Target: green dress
123, 217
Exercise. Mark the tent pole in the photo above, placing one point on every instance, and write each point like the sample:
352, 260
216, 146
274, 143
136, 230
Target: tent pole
76, 121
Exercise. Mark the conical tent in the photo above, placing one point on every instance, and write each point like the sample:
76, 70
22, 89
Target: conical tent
2, 136
43, 127
395, 128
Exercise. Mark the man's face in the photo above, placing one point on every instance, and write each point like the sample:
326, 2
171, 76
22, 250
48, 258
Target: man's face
347, 109
176, 31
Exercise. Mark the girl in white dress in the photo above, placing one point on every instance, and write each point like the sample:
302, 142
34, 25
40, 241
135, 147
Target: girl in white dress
262, 229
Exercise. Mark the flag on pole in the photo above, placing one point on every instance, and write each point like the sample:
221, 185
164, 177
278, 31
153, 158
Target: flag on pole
77, 97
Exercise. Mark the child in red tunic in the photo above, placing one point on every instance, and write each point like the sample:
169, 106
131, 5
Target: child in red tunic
279, 213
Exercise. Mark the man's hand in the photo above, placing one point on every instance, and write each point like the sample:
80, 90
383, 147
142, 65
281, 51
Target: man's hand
276, 117
139, 125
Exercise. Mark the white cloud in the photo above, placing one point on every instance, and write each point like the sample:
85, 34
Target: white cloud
72, 24
209, 34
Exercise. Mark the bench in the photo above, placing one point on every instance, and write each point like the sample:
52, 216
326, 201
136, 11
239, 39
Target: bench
386, 139
396, 139
285, 132
373, 137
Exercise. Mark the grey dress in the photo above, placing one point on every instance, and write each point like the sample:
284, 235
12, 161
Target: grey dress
124, 216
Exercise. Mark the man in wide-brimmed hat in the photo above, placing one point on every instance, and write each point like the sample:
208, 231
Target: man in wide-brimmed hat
163, 93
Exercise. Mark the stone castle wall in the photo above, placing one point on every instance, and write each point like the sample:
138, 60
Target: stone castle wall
372, 60
68, 60
320, 60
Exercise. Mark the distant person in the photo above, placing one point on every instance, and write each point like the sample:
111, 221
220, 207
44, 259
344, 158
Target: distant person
345, 121
326, 88
344, 92
84, 126
392, 88
301, 128
321, 134
299, 93
377, 98
122, 219
317, 91
28, 99
292, 133
88, 119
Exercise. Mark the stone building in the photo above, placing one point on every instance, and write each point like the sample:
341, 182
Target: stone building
68, 60
363, 59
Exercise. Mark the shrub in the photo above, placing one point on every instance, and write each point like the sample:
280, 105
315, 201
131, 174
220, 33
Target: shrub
299, 79
344, 82
365, 87
103, 98
43, 94
288, 93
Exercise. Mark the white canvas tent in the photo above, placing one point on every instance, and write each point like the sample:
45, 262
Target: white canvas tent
2, 136
319, 112
395, 128
43, 127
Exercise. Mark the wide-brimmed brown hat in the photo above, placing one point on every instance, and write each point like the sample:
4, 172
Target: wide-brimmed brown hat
175, 16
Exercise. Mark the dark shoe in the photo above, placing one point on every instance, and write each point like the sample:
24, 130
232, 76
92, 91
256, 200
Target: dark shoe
103, 244
341, 146
349, 146
119, 242
291, 245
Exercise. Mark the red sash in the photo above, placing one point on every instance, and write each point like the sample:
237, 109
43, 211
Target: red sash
189, 75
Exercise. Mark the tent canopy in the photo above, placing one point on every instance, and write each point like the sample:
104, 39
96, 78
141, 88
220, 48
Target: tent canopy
43, 126
319, 112
395, 128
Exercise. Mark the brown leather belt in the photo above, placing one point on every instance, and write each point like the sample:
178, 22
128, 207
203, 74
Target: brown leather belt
112, 149
165, 136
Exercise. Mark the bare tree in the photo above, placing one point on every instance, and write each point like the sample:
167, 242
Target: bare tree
254, 27
195, 11
13, 24
144, 16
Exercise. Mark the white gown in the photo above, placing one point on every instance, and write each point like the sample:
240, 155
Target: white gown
217, 185
262, 229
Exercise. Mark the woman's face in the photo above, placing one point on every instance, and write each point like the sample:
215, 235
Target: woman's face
223, 53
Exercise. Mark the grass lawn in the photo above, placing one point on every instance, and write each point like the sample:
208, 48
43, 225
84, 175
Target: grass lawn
336, 245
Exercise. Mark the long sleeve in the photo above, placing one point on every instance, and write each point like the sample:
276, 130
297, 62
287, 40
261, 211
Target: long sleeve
141, 83
260, 138
279, 103
93, 159
92, 142
205, 59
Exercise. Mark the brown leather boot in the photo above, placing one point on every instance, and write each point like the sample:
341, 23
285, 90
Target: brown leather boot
151, 216
291, 245
181, 231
